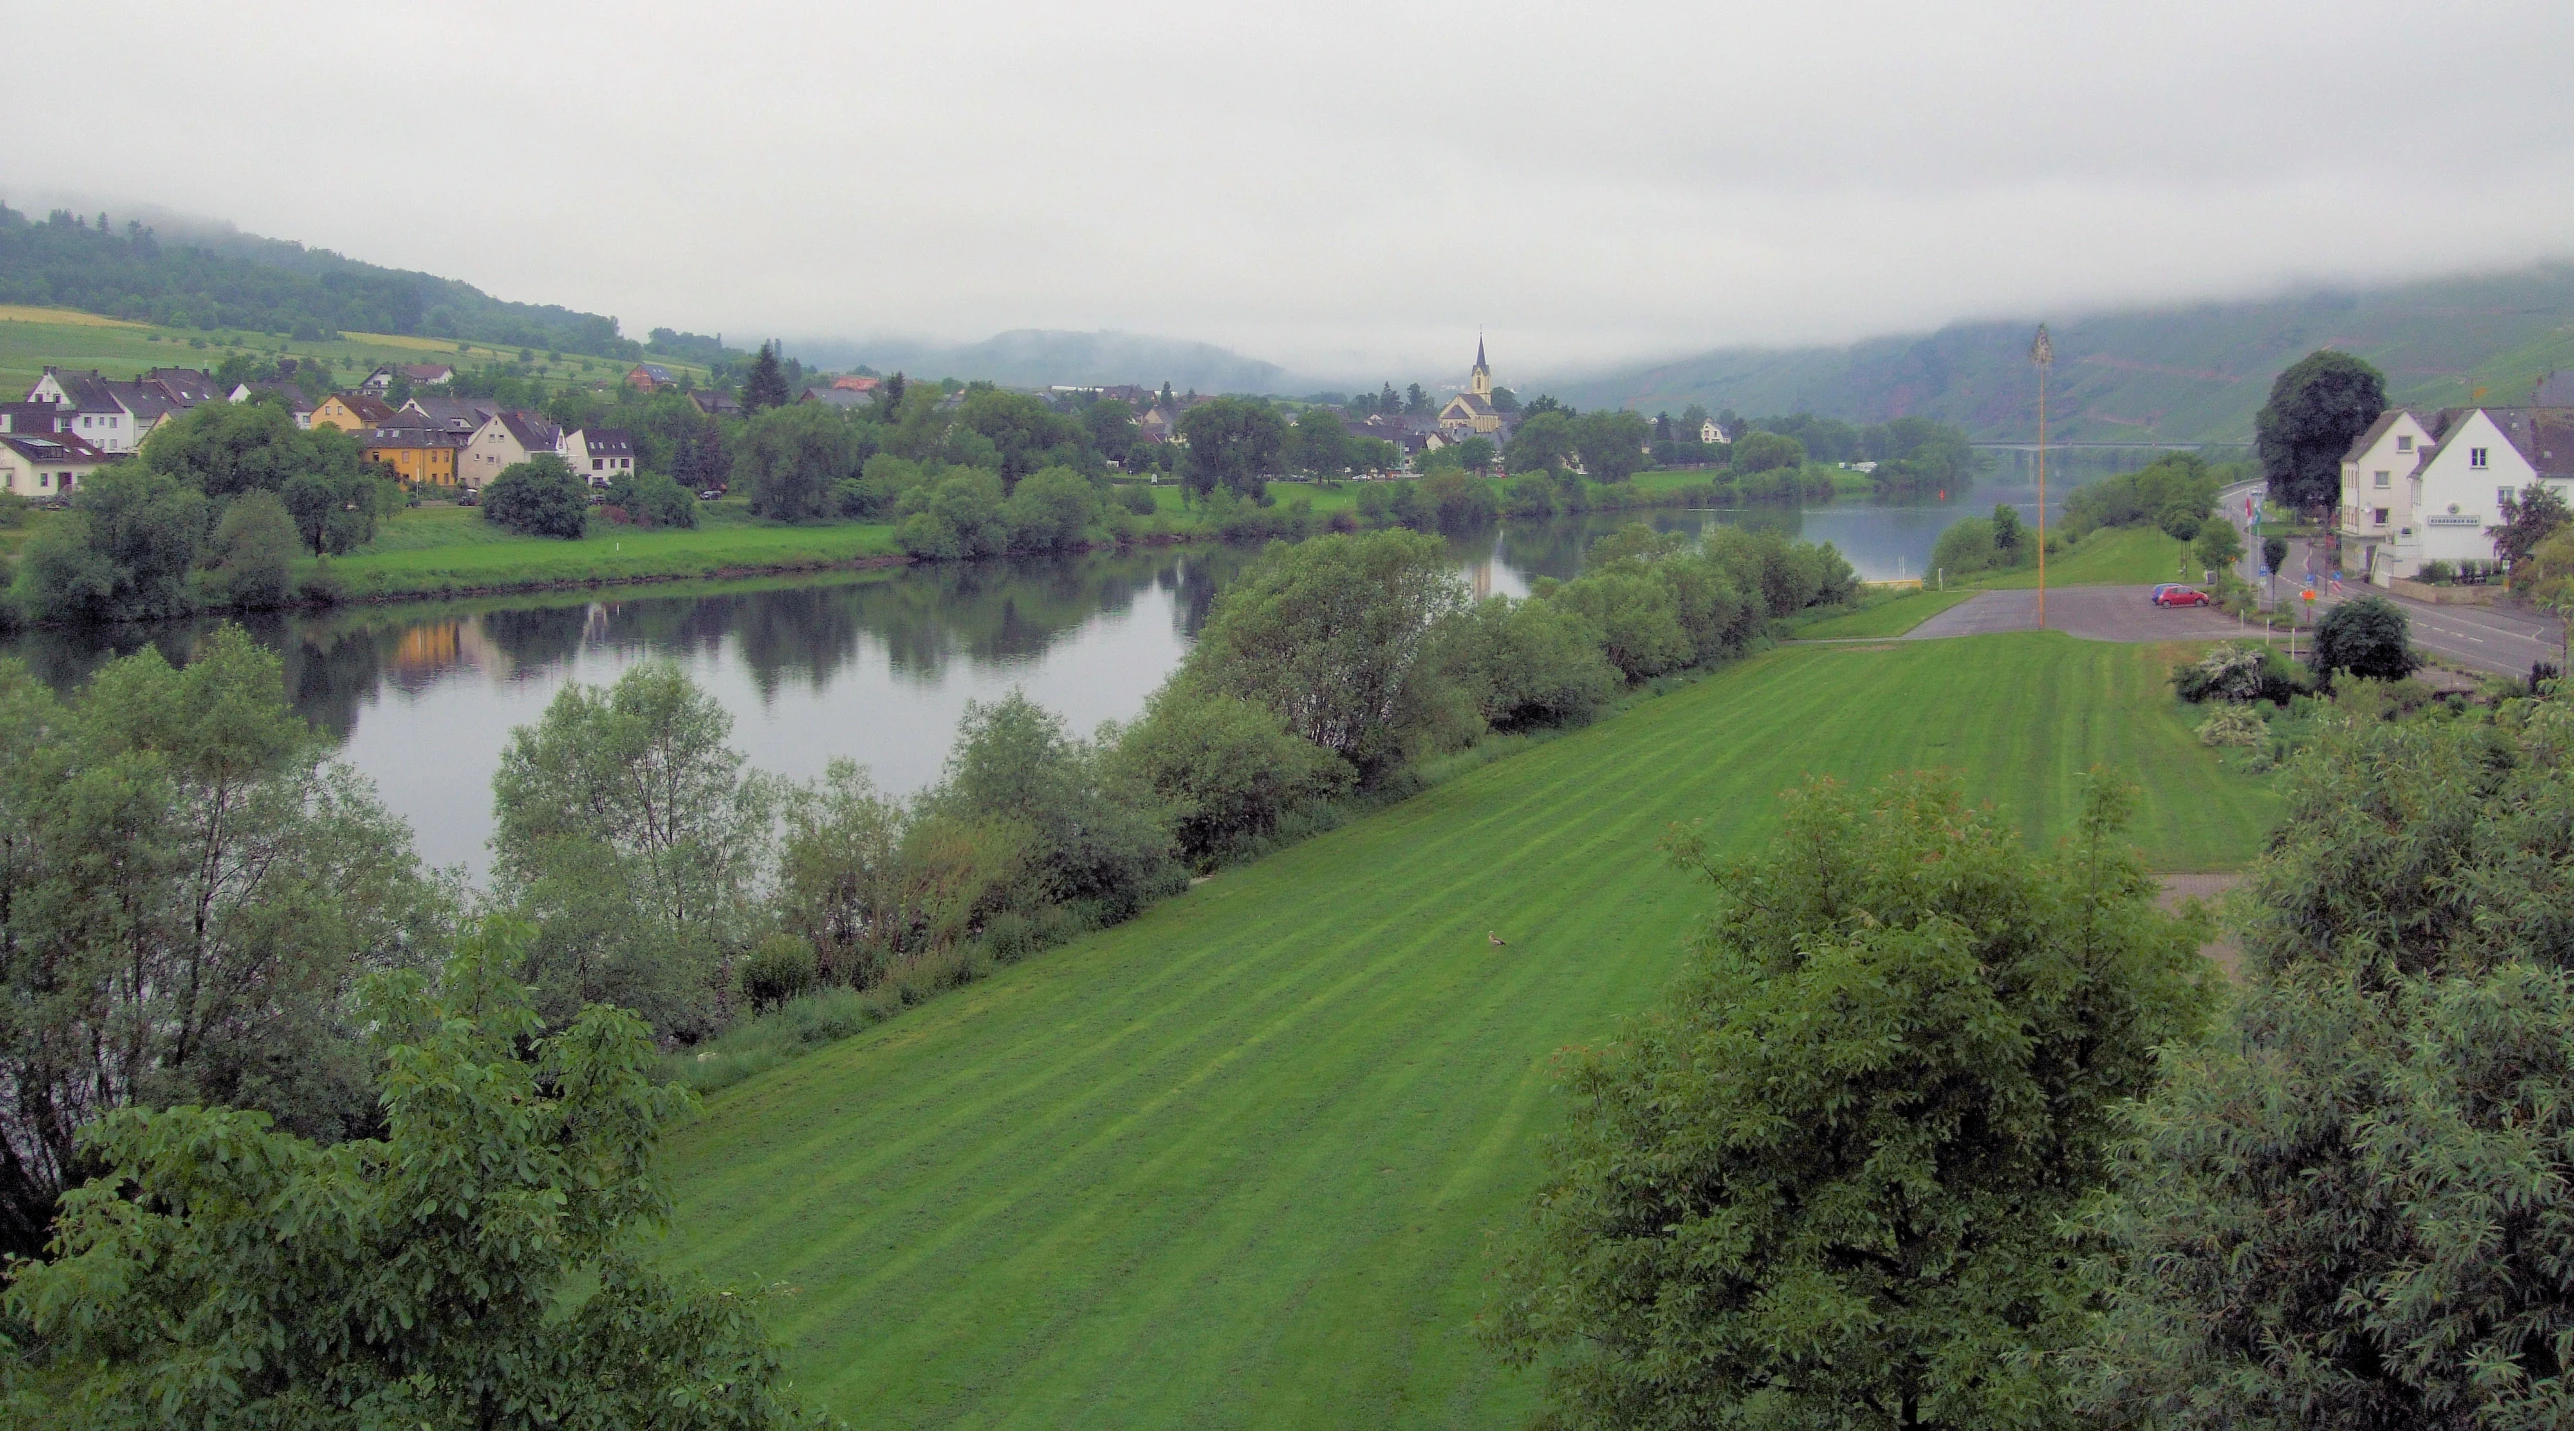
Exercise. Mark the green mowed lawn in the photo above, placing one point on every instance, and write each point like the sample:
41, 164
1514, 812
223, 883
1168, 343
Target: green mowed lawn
1890, 615
2110, 556
1237, 1163
426, 550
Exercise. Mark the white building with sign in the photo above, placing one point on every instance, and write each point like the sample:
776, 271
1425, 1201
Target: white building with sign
2420, 488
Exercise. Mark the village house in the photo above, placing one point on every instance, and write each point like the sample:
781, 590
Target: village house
417, 453
1711, 432
113, 415
420, 375
835, 396
601, 454
352, 412
503, 441
286, 394
650, 377
856, 382
453, 414
2423, 487
43, 465
715, 404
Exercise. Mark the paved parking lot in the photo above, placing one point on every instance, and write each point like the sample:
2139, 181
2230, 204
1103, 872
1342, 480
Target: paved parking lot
2094, 613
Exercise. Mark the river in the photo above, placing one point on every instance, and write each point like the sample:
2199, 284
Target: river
875, 666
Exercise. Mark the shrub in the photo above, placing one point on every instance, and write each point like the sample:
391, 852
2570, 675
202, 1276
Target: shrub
791, 459
650, 499
541, 497
1222, 769
1050, 510
1966, 547
251, 561
781, 968
2435, 572
2238, 672
125, 552
2365, 637
2233, 725
1768, 452
961, 517
1530, 663
1137, 498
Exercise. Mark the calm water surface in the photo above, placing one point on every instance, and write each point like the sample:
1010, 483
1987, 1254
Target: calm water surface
875, 666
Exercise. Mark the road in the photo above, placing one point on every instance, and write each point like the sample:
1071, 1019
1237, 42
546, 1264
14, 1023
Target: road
2501, 641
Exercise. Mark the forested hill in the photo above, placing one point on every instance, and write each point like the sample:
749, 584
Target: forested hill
2184, 375
237, 280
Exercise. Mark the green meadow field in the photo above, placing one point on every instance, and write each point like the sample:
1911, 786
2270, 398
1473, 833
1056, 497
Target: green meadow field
31, 338
2109, 556
430, 550
1238, 1163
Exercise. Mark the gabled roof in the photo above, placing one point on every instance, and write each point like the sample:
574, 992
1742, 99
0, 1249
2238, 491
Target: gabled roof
654, 371
37, 417
838, 397
609, 440
459, 414
529, 430
426, 372
293, 395
2544, 437
712, 403
86, 392
148, 401
413, 435
186, 386
52, 448
368, 407
2376, 430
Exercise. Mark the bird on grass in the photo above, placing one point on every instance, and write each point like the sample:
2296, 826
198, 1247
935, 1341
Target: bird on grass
1497, 940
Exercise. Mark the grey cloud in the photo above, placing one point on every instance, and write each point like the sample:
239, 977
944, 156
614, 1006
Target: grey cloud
1344, 189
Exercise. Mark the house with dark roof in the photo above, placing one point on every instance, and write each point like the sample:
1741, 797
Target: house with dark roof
650, 377
45, 465
2423, 487
419, 375
503, 441
286, 395
352, 412
98, 415
452, 413
715, 404
600, 454
418, 453
842, 398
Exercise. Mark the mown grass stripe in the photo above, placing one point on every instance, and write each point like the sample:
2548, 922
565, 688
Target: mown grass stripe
1234, 1163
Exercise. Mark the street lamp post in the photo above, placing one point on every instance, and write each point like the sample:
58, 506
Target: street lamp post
2043, 354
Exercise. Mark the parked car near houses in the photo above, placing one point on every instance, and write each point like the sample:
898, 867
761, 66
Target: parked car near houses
2174, 594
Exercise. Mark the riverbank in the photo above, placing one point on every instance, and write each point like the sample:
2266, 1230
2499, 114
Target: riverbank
437, 551
1265, 1127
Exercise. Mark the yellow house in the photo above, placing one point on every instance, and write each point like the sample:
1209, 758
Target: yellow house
352, 412
419, 456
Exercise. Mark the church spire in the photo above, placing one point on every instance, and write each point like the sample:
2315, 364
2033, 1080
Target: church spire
1480, 381
1480, 365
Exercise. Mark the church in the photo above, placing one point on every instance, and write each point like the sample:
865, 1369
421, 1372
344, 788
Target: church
1471, 413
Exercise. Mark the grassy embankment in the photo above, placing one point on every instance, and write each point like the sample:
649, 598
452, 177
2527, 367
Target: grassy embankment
31, 338
2110, 556
428, 551
1235, 1163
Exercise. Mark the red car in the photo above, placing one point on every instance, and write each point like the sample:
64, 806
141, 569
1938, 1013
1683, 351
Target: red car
2170, 594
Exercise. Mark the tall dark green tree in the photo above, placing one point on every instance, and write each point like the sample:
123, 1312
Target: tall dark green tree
1823, 1182
2369, 637
765, 384
1234, 443
2316, 407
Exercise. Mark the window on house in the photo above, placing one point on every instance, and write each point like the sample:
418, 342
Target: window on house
2503, 497
2404, 444
2476, 457
2381, 479
2377, 518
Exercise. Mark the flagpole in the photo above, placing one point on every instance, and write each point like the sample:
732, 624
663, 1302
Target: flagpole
2043, 354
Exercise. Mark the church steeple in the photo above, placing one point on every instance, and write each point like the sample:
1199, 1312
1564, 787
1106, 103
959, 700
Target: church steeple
1480, 381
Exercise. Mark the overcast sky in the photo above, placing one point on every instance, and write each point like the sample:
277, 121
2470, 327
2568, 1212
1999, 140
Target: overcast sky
1345, 189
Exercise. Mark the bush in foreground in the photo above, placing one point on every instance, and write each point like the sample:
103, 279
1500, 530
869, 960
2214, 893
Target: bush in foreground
479, 1265
1823, 1181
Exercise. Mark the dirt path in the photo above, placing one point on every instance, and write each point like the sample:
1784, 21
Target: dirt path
2208, 889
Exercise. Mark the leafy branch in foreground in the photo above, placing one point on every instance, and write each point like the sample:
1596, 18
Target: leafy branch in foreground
474, 1267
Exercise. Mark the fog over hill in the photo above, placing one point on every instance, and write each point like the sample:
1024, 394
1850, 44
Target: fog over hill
2178, 374
1037, 357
